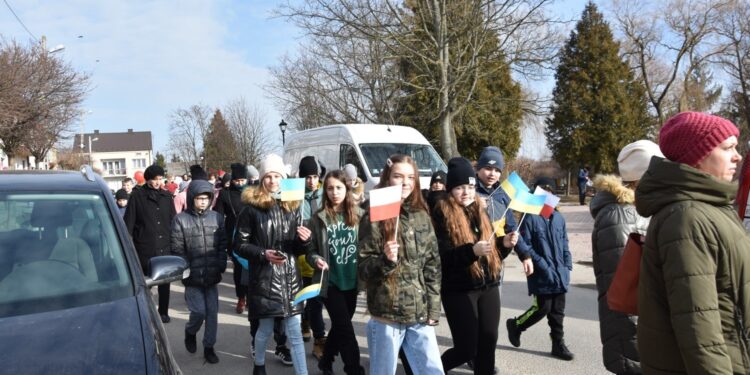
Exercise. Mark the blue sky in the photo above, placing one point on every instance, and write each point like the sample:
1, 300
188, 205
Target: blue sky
147, 58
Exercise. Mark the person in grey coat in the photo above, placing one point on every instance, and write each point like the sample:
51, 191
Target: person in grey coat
615, 218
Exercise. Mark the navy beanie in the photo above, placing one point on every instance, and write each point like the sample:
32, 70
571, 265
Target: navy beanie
491, 157
460, 172
438, 176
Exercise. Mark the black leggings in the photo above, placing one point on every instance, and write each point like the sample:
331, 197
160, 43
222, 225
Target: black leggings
473, 318
341, 306
240, 289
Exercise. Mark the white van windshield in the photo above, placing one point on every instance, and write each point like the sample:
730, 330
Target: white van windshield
427, 159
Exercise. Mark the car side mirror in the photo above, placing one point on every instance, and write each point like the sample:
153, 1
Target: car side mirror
166, 269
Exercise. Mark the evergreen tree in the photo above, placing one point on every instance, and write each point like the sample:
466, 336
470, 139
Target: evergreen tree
220, 149
598, 107
160, 160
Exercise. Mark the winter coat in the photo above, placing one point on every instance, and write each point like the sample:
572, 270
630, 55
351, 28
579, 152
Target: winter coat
496, 205
614, 219
546, 242
229, 204
456, 261
148, 218
693, 291
416, 274
199, 237
310, 205
263, 225
317, 247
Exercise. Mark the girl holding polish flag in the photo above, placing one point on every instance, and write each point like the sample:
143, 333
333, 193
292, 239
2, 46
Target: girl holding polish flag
332, 251
400, 265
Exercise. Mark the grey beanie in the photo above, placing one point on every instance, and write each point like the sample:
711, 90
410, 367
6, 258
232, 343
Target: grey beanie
491, 157
252, 172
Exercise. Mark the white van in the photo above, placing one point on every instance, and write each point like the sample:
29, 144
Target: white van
365, 146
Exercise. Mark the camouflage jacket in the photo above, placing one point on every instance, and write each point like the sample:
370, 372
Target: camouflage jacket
414, 297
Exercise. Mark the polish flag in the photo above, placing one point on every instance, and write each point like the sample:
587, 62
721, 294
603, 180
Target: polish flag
550, 202
385, 203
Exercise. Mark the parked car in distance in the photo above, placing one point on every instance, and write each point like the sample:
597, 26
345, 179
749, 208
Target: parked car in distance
73, 298
366, 146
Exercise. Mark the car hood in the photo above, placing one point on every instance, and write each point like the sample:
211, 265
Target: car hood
101, 338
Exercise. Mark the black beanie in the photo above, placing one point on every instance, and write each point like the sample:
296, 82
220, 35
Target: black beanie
121, 194
239, 171
226, 178
438, 176
308, 167
152, 171
197, 173
460, 172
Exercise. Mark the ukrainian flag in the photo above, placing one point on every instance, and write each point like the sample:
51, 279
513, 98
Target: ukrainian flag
292, 189
527, 202
513, 184
311, 291
499, 227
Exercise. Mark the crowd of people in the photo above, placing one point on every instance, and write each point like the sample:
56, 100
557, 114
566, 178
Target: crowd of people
445, 250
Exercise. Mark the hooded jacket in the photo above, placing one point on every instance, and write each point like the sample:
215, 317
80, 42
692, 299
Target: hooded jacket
413, 296
199, 237
615, 218
693, 291
546, 242
263, 225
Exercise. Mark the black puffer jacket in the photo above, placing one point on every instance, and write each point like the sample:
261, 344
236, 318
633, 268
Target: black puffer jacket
199, 237
229, 204
614, 218
264, 225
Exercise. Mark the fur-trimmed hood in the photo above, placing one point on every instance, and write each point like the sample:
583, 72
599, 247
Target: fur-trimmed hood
610, 189
253, 196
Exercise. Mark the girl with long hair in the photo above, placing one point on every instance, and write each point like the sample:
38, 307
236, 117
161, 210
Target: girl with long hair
333, 252
470, 255
400, 265
269, 237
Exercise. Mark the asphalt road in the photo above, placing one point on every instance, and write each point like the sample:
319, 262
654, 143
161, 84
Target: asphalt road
581, 324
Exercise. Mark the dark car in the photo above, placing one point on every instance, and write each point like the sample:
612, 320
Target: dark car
73, 298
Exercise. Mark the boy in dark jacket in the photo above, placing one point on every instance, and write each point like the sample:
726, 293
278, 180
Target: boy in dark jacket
198, 236
546, 243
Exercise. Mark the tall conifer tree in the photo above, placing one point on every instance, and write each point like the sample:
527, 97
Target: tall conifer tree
219, 147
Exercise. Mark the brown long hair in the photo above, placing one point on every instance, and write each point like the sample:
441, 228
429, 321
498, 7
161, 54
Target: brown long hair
460, 231
414, 200
349, 208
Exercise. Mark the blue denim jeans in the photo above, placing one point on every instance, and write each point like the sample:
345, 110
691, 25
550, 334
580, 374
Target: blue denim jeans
293, 333
417, 340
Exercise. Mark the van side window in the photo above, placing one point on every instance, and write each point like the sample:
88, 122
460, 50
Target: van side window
348, 155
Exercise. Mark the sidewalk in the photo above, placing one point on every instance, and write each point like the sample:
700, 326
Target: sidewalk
581, 324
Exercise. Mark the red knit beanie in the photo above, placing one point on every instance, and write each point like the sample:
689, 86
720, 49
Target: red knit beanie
688, 137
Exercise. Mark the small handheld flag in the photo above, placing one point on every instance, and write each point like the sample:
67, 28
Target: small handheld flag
527, 203
385, 203
513, 184
550, 202
306, 293
292, 189
499, 227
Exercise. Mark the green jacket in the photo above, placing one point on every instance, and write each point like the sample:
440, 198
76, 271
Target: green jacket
415, 295
317, 247
693, 292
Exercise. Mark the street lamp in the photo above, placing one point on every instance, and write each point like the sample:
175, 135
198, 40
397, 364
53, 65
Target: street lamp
91, 140
282, 126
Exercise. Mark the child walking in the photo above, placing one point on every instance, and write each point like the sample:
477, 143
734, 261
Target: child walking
198, 236
545, 241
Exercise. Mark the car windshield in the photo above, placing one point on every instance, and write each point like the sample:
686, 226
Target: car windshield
58, 251
427, 159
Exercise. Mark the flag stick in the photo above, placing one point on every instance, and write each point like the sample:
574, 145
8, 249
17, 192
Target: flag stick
518, 228
395, 231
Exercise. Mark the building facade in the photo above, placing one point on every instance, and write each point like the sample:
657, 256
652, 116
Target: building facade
119, 155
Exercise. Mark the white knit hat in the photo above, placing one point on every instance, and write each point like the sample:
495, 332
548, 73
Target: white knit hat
635, 157
272, 163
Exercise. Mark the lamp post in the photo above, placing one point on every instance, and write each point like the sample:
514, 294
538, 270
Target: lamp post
282, 126
91, 140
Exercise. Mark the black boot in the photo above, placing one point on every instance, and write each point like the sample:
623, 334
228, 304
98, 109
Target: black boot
560, 350
514, 333
210, 355
190, 344
259, 370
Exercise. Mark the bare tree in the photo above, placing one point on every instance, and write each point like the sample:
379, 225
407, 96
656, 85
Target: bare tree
187, 132
40, 98
734, 33
666, 42
443, 41
246, 123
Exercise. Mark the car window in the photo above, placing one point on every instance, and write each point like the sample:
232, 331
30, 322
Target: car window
58, 251
427, 159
